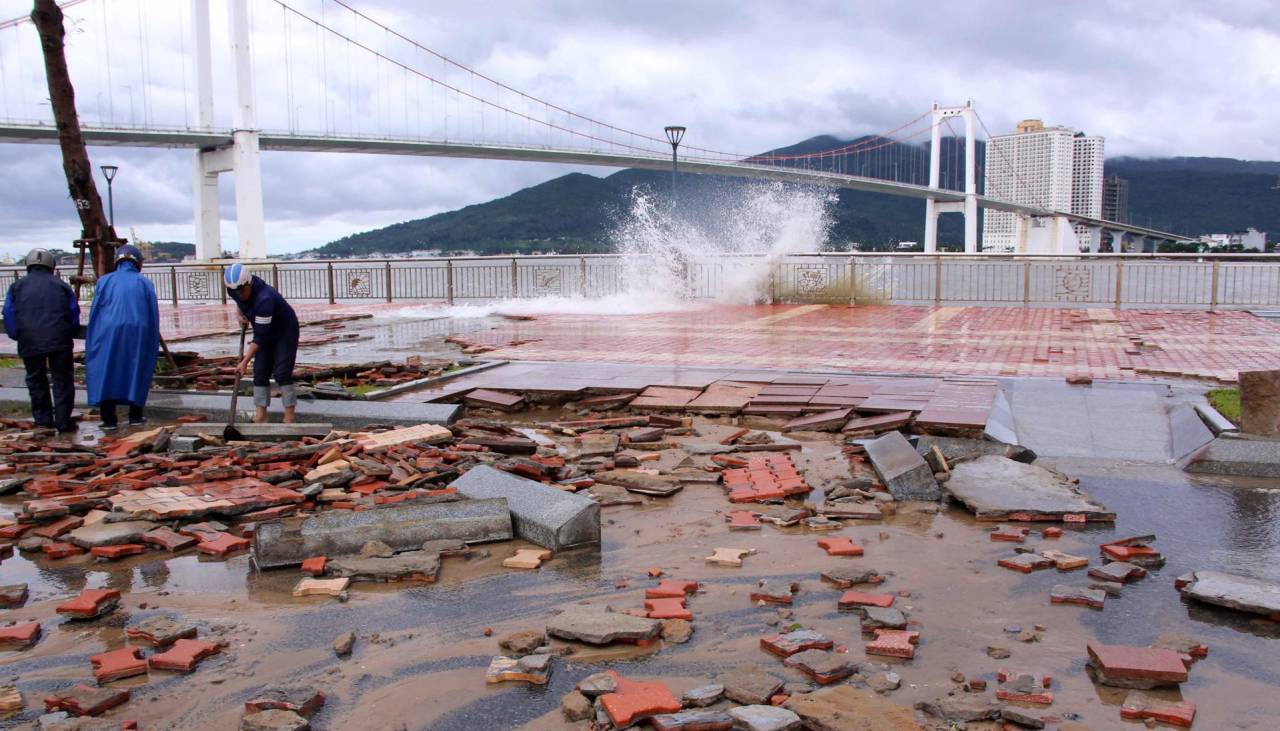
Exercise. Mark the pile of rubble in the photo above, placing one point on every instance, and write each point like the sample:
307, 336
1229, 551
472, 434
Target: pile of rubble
345, 381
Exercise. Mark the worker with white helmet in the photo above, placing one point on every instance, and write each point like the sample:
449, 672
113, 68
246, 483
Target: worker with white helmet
275, 339
41, 313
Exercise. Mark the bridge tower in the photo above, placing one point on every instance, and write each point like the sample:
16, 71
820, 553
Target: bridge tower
242, 157
969, 206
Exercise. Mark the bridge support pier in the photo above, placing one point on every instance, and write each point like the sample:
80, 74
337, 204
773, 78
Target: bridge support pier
241, 158
968, 207
1095, 238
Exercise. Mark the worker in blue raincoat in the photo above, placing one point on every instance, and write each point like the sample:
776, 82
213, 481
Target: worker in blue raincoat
275, 339
42, 315
124, 340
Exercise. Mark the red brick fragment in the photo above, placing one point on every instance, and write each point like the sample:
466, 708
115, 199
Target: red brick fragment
117, 664
893, 643
1140, 706
90, 603
58, 527
742, 520
1010, 533
85, 700
634, 700
60, 549
840, 546
314, 566
168, 539
1052, 532
1144, 663
184, 655
855, 599
667, 608
220, 544
112, 553
19, 636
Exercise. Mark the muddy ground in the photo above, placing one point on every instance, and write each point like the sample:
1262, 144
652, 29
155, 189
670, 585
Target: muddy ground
422, 648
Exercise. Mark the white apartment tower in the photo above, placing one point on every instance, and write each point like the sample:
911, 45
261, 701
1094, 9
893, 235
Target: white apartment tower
1048, 167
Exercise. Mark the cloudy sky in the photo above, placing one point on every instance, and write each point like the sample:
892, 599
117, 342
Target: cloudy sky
1156, 79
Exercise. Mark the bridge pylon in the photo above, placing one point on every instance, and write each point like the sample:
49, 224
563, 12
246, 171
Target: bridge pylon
969, 206
242, 157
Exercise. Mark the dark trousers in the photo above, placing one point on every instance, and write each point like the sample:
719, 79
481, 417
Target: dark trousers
108, 411
42, 370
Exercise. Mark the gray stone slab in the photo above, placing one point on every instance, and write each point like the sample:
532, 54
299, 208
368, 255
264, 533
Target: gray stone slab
764, 718
551, 518
407, 566
598, 627
1228, 455
215, 407
995, 488
1242, 593
1059, 420
1187, 431
901, 469
958, 449
404, 527
1216, 422
110, 534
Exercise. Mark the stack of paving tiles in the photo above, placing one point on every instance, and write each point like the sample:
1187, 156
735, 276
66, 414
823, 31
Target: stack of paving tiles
766, 477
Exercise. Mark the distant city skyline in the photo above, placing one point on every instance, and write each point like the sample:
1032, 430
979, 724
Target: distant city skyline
747, 76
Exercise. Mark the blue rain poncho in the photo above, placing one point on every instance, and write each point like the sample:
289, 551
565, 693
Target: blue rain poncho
124, 337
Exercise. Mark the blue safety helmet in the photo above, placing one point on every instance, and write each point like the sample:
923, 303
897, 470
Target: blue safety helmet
236, 276
131, 253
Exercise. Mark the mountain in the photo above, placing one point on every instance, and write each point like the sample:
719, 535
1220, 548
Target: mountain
576, 213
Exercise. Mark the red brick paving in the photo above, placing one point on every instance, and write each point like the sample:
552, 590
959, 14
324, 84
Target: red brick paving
992, 341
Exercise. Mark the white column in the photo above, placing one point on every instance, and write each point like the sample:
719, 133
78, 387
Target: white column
970, 182
246, 158
931, 204
204, 63
205, 196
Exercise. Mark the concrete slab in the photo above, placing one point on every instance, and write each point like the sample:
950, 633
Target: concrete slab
1231, 455
996, 488
904, 473
1187, 432
1242, 593
551, 518
405, 526
598, 627
1105, 421
110, 534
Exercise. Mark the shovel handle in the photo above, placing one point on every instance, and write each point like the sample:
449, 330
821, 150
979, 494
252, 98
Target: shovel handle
235, 386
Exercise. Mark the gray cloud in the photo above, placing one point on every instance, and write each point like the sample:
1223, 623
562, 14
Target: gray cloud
1178, 78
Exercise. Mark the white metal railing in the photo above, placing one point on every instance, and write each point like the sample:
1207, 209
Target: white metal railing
1223, 281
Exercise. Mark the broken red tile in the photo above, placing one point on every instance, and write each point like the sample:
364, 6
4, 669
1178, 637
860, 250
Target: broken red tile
780, 596
855, 599
1141, 555
671, 589
85, 700
184, 655
117, 664
1139, 706
1010, 533
301, 700
840, 546
1124, 662
58, 527
1052, 532
655, 572
893, 643
734, 437
19, 636
314, 566
168, 539
742, 520
112, 553
221, 544
786, 645
90, 603
634, 700
60, 549
1024, 688
190, 419
667, 608
1025, 562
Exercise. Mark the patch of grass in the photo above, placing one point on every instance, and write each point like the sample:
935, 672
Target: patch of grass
11, 363
364, 388
1227, 402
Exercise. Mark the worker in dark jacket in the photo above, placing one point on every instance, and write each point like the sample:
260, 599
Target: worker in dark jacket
41, 313
124, 339
275, 339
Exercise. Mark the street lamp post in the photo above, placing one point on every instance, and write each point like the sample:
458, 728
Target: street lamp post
675, 133
109, 172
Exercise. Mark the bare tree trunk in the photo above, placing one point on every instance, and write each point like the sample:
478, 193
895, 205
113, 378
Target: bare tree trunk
47, 17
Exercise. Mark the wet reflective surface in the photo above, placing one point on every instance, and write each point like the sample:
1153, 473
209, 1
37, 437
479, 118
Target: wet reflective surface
420, 657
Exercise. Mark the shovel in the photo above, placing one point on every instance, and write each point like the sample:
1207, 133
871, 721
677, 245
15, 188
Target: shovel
231, 433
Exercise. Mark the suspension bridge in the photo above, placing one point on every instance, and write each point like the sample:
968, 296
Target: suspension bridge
327, 76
